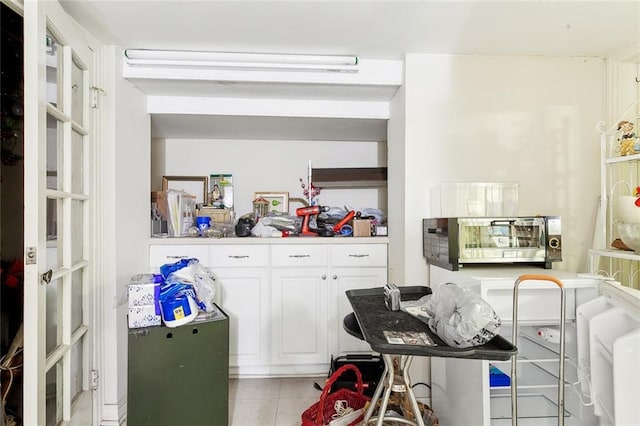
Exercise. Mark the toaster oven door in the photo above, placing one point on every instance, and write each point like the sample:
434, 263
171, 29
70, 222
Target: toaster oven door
498, 240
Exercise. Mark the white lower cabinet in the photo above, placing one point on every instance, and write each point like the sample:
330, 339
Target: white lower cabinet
285, 302
343, 279
354, 266
243, 294
242, 279
299, 320
299, 291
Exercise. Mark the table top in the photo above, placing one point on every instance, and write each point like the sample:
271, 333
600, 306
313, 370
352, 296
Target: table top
375, 319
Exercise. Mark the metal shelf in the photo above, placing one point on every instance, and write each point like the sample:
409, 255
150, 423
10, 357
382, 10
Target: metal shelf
616, 254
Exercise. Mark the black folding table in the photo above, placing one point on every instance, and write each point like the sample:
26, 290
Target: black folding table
375, 319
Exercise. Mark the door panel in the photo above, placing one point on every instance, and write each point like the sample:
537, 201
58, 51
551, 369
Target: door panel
58, 140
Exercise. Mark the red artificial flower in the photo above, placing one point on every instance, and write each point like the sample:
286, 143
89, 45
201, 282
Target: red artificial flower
637, 194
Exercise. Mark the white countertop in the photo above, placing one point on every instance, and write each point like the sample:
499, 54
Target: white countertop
507, 274
259, 241
509, 271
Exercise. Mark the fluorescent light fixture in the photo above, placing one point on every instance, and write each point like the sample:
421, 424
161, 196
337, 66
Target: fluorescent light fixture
239, 61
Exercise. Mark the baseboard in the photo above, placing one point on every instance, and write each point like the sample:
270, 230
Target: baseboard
114, 414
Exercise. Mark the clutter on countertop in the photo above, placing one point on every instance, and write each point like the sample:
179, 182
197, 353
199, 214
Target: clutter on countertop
174, 212
179, 210
178, 295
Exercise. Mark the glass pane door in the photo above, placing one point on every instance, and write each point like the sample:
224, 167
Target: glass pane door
57, 181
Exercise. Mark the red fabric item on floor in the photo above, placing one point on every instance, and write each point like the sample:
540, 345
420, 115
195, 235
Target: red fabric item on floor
321, 413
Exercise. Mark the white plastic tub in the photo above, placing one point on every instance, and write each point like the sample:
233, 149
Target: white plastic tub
475, 199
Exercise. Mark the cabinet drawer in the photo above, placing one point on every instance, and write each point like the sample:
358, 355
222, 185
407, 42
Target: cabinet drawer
299, 255
239, 256
160, 255
359, 255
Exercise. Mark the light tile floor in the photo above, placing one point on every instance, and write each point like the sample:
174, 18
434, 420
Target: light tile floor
278, 401
271, 402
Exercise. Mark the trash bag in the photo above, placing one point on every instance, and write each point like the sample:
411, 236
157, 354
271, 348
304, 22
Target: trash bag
191, 272
460, 317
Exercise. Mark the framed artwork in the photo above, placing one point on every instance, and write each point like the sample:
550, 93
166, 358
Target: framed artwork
221, 190
278, 201
194, 185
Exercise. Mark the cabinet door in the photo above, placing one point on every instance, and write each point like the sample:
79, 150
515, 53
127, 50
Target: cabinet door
299, 316
343, 279
244, 296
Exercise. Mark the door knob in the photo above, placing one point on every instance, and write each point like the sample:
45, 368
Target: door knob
46, 277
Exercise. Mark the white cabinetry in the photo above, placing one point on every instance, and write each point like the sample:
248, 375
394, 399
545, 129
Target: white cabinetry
285, 300
162, 254
299, 283
353, 266
462, 394
242, 278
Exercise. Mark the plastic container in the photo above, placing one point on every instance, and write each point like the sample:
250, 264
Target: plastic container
475, 199
497, 377
178, 310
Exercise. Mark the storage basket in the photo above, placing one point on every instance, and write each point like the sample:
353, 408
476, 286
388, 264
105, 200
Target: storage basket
321, 413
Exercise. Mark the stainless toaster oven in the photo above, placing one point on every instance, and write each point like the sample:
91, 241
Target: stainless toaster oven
453, 242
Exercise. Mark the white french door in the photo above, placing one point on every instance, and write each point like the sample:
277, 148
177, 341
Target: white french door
58, 227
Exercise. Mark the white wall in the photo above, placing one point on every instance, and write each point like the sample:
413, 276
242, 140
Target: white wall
517, 119
397, 187
126, 194
511, 119
270, 165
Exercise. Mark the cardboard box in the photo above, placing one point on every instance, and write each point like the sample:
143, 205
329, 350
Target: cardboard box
144, 316
143, 294
217, 215
361, 228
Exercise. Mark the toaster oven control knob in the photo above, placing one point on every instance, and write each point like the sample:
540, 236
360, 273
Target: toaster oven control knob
554, 242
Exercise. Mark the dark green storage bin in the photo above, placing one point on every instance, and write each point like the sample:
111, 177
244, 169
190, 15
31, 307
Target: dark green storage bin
179, 376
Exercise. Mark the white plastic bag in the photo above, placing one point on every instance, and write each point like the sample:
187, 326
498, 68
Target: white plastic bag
460, 317
198, 276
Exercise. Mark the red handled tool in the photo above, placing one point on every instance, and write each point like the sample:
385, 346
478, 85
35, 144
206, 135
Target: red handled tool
306, 213
343, 221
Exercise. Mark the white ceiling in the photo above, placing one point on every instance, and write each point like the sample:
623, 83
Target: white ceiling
372, 29
369, 29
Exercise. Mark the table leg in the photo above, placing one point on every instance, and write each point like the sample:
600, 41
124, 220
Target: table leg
412, 396
402, 383
376, 395
388, 361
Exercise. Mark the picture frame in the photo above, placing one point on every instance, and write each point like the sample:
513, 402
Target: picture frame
220, 190
194, 185
278, 201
